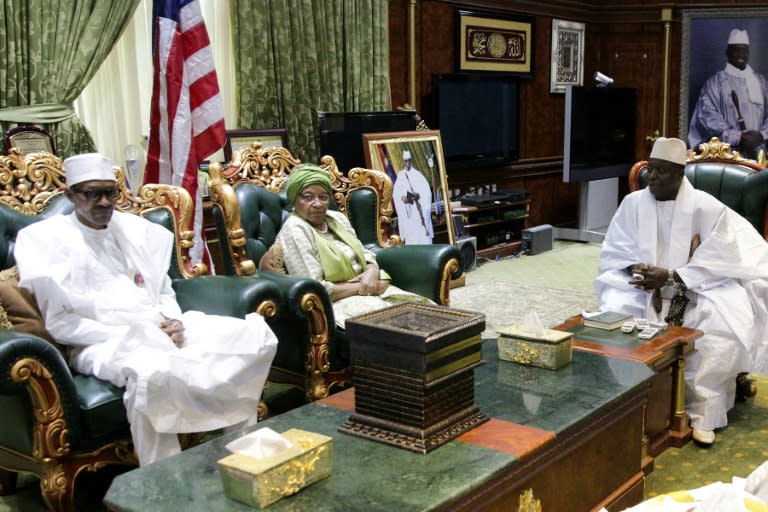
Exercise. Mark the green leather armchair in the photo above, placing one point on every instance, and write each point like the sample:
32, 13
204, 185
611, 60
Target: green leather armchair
249, 209
739, 183
57, 423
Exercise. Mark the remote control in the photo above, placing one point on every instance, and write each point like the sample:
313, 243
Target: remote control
648, 333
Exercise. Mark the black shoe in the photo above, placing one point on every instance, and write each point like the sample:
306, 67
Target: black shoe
745, 387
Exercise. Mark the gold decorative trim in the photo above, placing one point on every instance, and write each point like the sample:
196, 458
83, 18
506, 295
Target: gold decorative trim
445, 282
28, 182
528, 503
717, 150
50, 433
224, 195
267, 309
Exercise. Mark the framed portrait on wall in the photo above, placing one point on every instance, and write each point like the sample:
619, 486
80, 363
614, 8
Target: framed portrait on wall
567, 66
716, 98
415, 162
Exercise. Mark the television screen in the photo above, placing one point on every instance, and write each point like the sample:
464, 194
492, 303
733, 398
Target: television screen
341, 133
599, 134
478, 118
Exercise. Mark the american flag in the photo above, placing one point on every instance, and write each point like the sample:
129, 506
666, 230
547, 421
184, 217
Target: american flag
187, 115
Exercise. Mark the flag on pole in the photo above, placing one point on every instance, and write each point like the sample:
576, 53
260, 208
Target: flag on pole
187, 115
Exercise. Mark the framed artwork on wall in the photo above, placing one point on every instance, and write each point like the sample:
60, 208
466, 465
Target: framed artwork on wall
726, 109
567, 61
414, 161
240, 138
495, 42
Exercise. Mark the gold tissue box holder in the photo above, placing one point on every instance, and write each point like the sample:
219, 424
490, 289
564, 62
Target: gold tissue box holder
261, 482
552, 349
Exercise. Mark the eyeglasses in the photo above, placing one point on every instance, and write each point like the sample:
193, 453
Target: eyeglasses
94, 195
310, 198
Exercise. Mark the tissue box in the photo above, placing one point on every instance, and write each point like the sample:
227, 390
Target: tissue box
260, 482
552, 349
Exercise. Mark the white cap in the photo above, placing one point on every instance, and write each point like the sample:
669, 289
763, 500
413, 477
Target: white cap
669, 149
87, 167
738, 37
406, 155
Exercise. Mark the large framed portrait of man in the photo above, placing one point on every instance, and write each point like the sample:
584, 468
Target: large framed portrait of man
415, 163
723, 89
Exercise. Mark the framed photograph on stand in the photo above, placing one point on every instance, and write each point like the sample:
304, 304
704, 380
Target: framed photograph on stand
415, 162
567, 55
29, 139
240, 138
495, 42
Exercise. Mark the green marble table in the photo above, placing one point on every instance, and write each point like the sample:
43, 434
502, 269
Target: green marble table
545, 425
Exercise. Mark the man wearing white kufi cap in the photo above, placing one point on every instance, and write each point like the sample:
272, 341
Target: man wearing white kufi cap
677, 255
413, 204
732, 103
100, 280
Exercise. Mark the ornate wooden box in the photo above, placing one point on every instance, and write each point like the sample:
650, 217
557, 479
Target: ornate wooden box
552, 349
413, 374
261, 482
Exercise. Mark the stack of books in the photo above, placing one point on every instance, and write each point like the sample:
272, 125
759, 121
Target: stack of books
608, 320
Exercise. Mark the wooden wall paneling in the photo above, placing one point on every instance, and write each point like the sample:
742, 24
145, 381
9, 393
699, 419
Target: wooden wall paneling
436, 49
636, 59
398, 52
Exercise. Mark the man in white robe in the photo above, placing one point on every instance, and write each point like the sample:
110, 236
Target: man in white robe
675, 239
413, 204
100, 280
732, 103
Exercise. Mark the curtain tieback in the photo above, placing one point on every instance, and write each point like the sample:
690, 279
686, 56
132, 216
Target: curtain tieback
42, 113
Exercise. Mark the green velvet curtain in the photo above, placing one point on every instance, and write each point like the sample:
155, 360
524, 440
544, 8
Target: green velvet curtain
49, 50
295, 57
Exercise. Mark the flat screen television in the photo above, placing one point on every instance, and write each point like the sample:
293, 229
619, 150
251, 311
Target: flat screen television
599, 132
341, 133
478, 117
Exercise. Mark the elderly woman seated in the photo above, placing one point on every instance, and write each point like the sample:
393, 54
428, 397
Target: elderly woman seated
321, 244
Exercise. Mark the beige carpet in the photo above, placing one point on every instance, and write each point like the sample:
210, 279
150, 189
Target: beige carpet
555, 284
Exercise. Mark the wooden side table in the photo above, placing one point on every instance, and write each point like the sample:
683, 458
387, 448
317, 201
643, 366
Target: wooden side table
666, 422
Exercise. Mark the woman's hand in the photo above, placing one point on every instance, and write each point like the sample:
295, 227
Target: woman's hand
174, 329
369, 282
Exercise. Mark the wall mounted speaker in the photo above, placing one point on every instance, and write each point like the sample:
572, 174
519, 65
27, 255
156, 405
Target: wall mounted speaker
468, 248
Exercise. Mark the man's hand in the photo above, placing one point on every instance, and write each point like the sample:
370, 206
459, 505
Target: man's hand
652, 277
174, 329
750, 141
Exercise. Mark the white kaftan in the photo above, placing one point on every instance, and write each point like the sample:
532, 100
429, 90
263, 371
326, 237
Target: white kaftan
302, 259
414, 219
715, 114
105, 292
726, 281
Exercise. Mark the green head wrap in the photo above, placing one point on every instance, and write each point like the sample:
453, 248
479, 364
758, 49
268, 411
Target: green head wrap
304, 175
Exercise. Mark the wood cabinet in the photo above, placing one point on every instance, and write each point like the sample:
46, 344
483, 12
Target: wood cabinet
498, 227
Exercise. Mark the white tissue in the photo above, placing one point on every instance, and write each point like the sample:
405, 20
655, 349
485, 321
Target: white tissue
532, 323
259, 444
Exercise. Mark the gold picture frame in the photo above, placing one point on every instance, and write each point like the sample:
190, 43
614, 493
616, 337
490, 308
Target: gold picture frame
567, 66
420, 219
495, 42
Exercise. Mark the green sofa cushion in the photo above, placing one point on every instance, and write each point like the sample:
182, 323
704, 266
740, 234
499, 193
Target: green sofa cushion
101, 408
